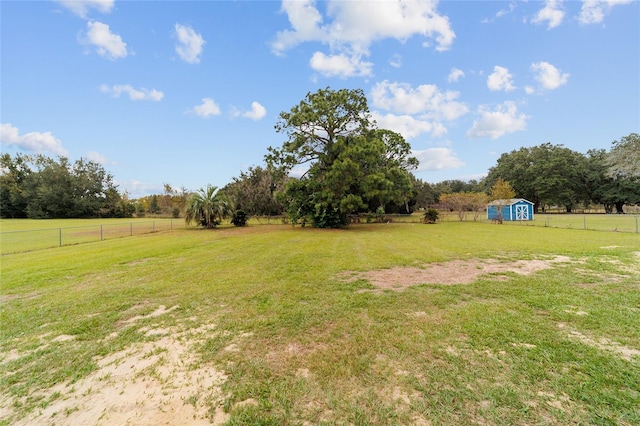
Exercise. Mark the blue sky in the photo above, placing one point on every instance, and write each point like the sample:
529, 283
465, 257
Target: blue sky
188, 93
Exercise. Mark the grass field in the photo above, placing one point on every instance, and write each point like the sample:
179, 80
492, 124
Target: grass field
384, 324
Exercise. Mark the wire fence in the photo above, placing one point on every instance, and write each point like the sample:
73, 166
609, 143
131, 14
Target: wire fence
37, 239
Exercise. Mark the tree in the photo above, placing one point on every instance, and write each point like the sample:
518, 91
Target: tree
545, 175
612, 191
624, 158
13, 174
254, 191
36, 186
501, 192
206, 207
462, 202
351, 165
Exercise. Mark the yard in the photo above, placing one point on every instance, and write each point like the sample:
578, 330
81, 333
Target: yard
398, 323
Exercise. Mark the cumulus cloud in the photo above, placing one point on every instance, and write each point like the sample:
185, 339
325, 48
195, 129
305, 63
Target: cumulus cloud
408, 126
349, 28
137, 189
81, 8
342, 65
134, 94
33, 141
594, 11
107, 44
493, 124
396, 61
548, 76
256, 113
190, 44
454, 75
437, 159
96, 157
415, 110
500, 79
207, 108
426, 99
552, 13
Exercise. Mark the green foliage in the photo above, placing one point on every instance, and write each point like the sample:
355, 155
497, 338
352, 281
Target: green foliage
431, 215
624, 158
206, 207
36, 186
239, 218
353, 166
255, 191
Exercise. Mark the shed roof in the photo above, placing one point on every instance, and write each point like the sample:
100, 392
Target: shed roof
509, 202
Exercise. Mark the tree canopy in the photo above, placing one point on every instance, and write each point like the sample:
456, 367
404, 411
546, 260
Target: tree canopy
39, 187
351, 165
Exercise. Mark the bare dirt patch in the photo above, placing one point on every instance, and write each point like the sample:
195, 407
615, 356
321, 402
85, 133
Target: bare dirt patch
149, 383
447, 273
602, 343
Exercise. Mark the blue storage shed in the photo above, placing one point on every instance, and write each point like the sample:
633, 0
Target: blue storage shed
512, 209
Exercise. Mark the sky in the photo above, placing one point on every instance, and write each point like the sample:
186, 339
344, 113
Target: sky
187, 93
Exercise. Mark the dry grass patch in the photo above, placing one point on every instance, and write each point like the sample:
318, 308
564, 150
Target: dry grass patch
446, 273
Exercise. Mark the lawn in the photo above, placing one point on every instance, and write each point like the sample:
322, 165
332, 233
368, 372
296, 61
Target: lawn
401, 323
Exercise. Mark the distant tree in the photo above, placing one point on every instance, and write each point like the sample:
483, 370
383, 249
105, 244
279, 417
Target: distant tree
624, 158
37, 186
423, 194
463, 202
545, 175
352, 165
206, 207
612, 191
239, 218
501, 192
477, 203
14, 172
457, 202
254, 191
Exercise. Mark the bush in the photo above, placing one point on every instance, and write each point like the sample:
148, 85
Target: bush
431, 215
239, 218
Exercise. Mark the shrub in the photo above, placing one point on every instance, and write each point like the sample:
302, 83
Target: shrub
431, 215
239, 218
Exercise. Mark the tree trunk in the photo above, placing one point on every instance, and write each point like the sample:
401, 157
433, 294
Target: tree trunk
619, 207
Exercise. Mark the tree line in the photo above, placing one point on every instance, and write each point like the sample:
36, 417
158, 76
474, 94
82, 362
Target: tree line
347, 167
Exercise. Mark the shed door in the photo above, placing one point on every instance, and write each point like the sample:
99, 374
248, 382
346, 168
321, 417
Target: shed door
522, 212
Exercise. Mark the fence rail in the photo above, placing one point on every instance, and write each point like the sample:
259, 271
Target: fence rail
37, 239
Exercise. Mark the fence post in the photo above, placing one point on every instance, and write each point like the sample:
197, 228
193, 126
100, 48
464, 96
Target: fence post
131, 229
100, 232
585, 221
636, 224
154, 226
60, 237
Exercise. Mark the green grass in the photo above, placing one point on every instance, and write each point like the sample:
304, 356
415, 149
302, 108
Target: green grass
319, 350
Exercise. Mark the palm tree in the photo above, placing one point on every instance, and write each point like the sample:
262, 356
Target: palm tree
206, 207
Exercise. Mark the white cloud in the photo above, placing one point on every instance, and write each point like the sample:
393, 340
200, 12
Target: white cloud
396, 61
548, 76
96, 157
437, 159
33, 141
493, 124
454, 75
594, 11
134, 94
500, 79
552, 13
408, 126
81, 7
426, 99
136, 189
529, 90
107, 44
190, 44
256, 113
352, 26
340, 65
207, 108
